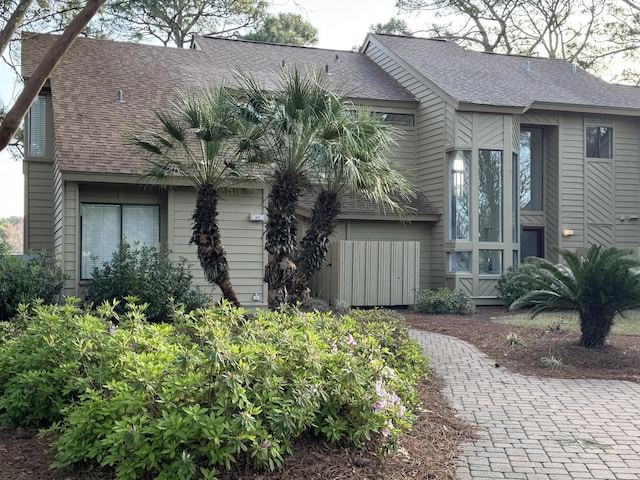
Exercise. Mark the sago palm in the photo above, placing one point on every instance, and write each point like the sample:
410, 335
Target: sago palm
197, 141
289, 122
598, 286
352, 161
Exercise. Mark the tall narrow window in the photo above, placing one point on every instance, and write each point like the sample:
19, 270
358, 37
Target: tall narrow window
459, 194
599, 142
105, 226
531, 150
37, 128
515, 204
490, 195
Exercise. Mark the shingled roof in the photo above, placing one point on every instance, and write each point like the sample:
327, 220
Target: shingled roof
356, 207
480, 78
91, 127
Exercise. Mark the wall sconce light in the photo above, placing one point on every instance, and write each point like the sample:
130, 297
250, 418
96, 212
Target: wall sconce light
566, 232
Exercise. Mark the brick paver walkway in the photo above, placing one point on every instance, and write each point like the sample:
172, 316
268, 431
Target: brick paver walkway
533, 428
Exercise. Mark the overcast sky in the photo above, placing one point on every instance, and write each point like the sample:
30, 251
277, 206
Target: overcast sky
342, 24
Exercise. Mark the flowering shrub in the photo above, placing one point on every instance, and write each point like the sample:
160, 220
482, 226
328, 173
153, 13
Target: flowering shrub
209, 391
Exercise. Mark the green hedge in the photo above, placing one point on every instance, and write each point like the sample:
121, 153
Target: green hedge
211, 390
27, 278
444, 301
151, 276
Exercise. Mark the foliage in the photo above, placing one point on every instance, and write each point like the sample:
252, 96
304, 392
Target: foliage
12, 233
26, 279
50, 357
198, 140
393, 26
590, 33
174, 22
285, 28
151, 276
444, 301
211, 391
516, 282
598, 286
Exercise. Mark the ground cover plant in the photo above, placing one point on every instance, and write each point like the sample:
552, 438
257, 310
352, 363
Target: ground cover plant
212, 393
444, 300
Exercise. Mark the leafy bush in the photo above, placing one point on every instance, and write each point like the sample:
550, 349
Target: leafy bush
26, 279
444, 301
148, 274
515, 283
211, 390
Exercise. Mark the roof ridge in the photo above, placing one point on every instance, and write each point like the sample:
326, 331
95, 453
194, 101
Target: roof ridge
244, 40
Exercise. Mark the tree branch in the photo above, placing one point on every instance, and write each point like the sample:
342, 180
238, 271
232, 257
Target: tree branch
32, 87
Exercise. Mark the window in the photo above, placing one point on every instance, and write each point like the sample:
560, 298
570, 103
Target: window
490, 195
403, 119
105, 226
459, 195
599, 142
37, 128
531, 173
532, 244
459, 261
515, 204
490, 262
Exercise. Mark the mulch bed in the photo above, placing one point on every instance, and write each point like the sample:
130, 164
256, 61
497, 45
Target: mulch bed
430, 450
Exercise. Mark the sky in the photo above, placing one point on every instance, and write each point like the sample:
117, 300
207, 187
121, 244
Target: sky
342, 24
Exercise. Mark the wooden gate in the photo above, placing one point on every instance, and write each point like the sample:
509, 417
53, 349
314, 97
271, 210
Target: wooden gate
364, 273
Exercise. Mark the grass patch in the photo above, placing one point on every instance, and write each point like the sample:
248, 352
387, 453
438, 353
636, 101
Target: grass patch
627, 325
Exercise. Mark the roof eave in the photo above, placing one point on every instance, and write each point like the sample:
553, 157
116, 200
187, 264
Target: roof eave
483, 107
607, 110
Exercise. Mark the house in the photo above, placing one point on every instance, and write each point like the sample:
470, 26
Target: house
513, 156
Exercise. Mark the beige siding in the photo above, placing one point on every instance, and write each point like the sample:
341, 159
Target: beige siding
71, 237
243, 240
387, 231
627, 181
434, 124
39, 205
572, 181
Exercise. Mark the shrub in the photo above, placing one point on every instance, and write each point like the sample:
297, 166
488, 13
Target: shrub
516, 282
26, 279
148, 274
443, 301
210, 391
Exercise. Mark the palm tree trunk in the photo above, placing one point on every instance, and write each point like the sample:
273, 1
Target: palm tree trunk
315, 244
206, 235
281, 235
595, 325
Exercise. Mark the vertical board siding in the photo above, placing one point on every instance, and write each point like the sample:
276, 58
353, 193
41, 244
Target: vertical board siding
371, 273
243, 240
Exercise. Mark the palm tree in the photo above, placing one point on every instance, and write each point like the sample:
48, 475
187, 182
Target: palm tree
288, 136
196, 141
353, 161
599, 286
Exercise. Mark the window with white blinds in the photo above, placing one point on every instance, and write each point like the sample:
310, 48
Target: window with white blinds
105, 226
37, 124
